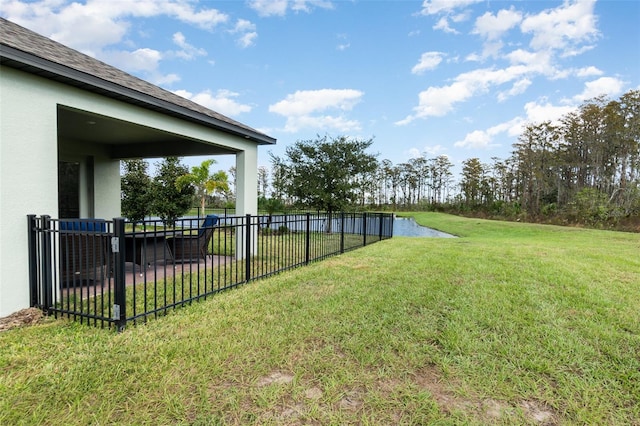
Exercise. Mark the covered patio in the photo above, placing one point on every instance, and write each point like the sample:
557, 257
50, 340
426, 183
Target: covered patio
65, 112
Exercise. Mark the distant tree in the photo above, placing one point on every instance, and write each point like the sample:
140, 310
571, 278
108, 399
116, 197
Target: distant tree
324, 173
421, 167
472, 181
230, 195
203, 182
137, 191
279, 178
171, 202
441, 177
270, 205
263, 181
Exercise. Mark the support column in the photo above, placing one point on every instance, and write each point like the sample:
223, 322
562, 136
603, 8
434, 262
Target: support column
247, 182
246, 200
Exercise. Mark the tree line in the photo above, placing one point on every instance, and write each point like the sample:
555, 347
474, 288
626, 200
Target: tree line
582, 168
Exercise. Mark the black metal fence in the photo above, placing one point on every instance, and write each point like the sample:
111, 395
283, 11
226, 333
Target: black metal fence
110, 273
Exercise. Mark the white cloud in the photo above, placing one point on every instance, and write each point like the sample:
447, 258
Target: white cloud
608, 86
247, 31
483, 139
223, 101
243, 25
413, 153
141, 61
564, 28
93, 26
476, 139
541, 112
280, 7
428, 61
539, 62
492, 49
588, 72
512, 127
447, 8
492, 27
443, 24
188, 51
308, 5
433, 149
433, 7
305, 102
303, 109
247, 39
473, 57
183, 11
569, 25
439, 101
518, 87
160, 79
269, 7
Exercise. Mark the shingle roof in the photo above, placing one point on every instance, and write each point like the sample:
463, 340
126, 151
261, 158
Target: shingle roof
26, 50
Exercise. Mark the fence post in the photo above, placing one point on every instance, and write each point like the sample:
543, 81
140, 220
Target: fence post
381, 219
364, 229
342, 232
307, 244
33, 260
391, 224
47, 273
247, 248
118, 248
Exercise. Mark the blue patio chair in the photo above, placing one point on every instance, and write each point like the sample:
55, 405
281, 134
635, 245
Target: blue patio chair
84, 251
193, 246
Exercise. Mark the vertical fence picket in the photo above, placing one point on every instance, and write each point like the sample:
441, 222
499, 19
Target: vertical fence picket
118, 247
47, 273
341, 232
307, 244
247, 249
364, 229
33, 260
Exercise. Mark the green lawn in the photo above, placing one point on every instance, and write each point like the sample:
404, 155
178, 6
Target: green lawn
510, 324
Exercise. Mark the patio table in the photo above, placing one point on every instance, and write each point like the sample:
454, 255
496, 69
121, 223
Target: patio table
145, 248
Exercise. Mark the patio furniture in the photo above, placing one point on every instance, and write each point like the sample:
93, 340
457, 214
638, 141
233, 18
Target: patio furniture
84, 251
192, 246
145, 248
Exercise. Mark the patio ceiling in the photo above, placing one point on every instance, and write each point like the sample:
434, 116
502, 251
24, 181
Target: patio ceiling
127, 139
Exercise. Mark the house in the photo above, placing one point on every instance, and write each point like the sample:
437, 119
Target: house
66, 121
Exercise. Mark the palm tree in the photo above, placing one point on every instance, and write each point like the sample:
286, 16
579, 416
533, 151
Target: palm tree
203, 182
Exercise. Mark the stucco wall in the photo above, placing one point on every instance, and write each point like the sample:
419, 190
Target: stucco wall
28, 183
29, 161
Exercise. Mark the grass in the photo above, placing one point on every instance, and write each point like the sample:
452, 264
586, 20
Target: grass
510, 324
157, 296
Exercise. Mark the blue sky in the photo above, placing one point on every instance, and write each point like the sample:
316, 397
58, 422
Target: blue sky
452, 77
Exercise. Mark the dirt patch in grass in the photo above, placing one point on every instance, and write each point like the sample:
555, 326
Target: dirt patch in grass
488, 409
29, 316
275, 377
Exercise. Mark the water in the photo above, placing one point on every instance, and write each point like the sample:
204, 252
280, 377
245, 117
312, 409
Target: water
407, 227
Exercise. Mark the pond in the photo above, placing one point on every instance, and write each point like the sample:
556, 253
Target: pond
408, 227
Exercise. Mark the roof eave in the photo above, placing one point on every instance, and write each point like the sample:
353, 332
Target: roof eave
27, 62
